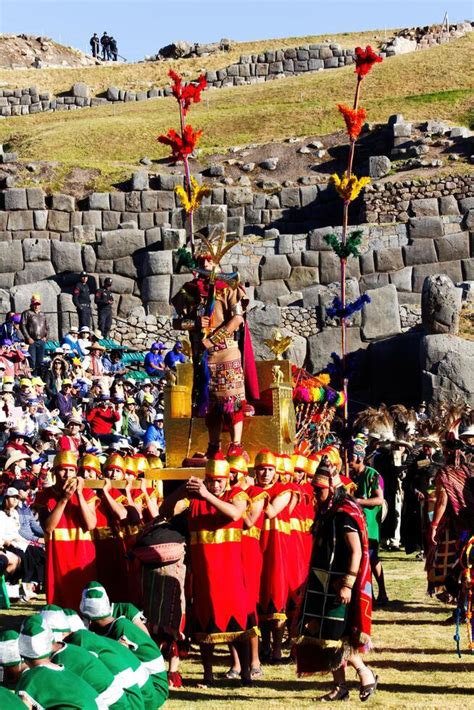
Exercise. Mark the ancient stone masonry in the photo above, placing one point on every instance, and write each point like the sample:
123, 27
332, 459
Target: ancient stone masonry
291, 275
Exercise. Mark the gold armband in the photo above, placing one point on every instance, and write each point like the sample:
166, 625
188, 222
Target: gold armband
219, 336
237, 310
188, 324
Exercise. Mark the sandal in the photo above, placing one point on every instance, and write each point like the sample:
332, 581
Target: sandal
339, 692
232, 674
256, 672
365, 691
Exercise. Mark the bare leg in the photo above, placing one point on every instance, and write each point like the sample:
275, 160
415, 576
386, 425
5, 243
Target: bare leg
243, 651
377, 571
366, 676
236, 431
207, 655
235, 660
277, 638
254, 657
339, 690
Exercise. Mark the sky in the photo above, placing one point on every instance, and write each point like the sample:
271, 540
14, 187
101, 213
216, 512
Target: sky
141, 27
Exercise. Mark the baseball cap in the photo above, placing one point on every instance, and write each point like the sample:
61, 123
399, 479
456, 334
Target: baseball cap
157, 346
35, 298
10, 492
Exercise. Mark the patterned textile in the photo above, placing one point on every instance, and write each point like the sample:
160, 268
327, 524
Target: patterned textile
164, 602
325, 629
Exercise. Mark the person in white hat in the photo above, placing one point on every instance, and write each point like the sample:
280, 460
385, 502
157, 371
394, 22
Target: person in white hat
84, 340
95, 606
45, 684
72, 340
10, 659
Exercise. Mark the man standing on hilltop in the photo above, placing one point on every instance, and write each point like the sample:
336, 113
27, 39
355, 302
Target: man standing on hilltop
105, 44
94, 43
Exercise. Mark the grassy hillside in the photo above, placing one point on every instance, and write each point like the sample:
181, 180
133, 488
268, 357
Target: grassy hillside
140, 76
438, 83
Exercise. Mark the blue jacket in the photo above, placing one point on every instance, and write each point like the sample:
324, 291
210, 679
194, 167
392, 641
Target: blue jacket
153, 435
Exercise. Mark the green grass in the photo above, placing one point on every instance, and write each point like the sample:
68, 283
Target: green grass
438, 83
414, 656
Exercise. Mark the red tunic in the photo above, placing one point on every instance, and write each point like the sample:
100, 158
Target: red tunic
70, 551
301, 542
274, 543
220, 608
252, 558
112, 565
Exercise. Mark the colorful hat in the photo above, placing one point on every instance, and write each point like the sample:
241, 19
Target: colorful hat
359, 447
333, 454
129, 463
141, 464
300, 463
35, 298
54, 617
217, 467
36, 639
25, 382
65, 458
238, 464
95, 603
90, 462
265, 458
9, 649
326, 475
284, 464
314, 460
74, 620
114, 461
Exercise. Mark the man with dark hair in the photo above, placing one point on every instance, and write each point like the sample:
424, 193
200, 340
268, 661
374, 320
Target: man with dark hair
104, 300
81, 297
105, 44
113, 49
94, 43
34, 327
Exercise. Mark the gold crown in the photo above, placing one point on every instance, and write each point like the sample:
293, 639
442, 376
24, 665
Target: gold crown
284, 464
141, 464
217, 468
265, 458
114, 461
129, 465
65, 458
91, 462
238, 464
300, 462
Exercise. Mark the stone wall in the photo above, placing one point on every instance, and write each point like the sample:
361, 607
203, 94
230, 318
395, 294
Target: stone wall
292, 275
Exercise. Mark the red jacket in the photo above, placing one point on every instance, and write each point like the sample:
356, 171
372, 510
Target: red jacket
102, 420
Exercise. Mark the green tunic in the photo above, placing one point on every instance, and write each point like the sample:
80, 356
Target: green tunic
123, 664
87, 666
367, 484
146, 650
56, 688
129, 611
9, 701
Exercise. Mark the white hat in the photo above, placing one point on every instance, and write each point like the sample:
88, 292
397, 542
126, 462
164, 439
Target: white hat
467, 432
84, 329
54, 617
95, 603
74, 329
74, 620
10, 492
9, 650
36, 639
59, 351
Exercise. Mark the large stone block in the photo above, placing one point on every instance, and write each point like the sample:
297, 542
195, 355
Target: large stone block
448, 368
63, 203
379, 166
448, 205
312, 295
66, 256
15, 199
210, 215
122, 284
276, 266
157, 263
328, 341
127, 304
453, 246
402, 279
89, 258
92, 218
99, 201
426, 207
35, 197
466, 204
177, 283
316, 239
389, 259
420, 252
173, 238
80, 90
381, 317
36, 249
450, 268
84, 234
441, 305
21, 221
425, 228
302, 277
237, 196
58, 221
120, 242
326, 300
156, 289
34, 271
290, 197
11, 257
269, 291
468, 269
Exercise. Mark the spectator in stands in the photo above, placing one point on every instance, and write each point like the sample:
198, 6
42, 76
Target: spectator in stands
84, 340
72, 340
155, 433
94, 43
35, 329
81, 297
104, 300
71, 439
54, 377
10, 329
174, 356
5, 358
93, 364
154, 362
30, 528
105, 44
113, 363
102, 418
64, 400
131, 427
